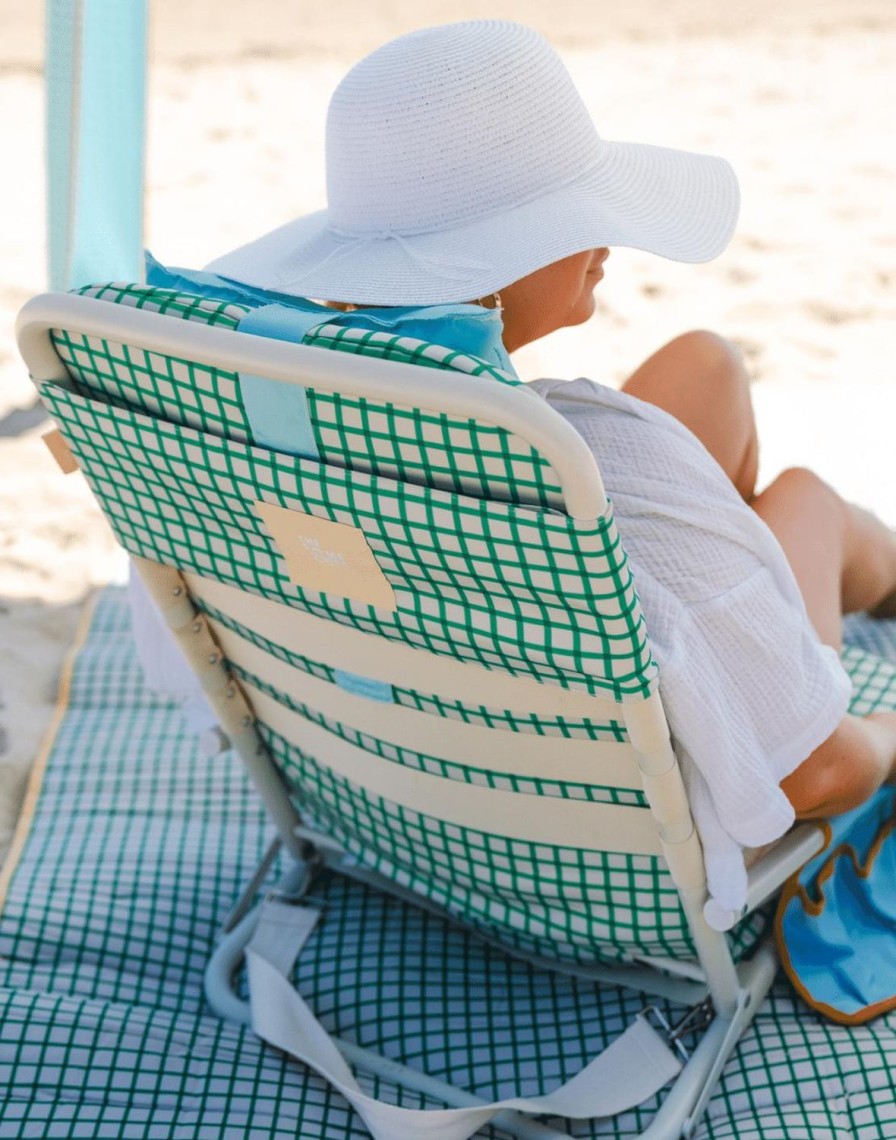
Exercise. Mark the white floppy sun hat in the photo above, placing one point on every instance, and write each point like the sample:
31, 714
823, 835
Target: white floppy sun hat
461, 158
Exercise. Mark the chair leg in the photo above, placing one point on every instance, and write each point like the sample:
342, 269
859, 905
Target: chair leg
677, 1117
221, 970
226, 960
239, 926
686, 1101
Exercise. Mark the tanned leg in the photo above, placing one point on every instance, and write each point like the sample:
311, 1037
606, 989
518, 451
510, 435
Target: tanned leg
857, 759
699, 378
843, 558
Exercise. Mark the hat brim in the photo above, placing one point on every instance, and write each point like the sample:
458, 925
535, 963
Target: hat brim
676, 204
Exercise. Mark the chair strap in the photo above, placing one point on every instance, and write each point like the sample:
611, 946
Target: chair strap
277, 412
634, 1067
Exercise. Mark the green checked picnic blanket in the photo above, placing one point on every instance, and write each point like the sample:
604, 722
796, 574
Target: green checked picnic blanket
134, 852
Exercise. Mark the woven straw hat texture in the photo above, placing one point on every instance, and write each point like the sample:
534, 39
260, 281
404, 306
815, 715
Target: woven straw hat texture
461, 158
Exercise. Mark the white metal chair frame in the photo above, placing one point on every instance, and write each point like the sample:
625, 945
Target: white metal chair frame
735, 990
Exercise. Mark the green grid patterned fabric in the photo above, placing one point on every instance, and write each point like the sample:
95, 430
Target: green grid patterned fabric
533, 592
466, 457
461, 456
525, 590
546, 900
540, 725
873, 680
135, 853
558, 901
186, 498
423, 762
180, 391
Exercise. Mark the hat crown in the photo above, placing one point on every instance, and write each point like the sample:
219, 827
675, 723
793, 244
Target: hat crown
450, 124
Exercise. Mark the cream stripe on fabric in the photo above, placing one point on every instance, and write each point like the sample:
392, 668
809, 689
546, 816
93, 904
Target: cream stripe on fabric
537, 819
608, 763
396, 663
634, 1067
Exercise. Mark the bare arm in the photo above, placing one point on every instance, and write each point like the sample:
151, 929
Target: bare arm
848, 768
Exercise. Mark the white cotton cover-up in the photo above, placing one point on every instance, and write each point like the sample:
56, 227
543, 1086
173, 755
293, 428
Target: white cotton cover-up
748, 688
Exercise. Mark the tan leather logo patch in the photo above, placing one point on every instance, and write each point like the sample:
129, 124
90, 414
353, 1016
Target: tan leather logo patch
58, 448
333, 558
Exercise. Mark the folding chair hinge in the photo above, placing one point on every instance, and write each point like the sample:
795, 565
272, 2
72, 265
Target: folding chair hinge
311, 855
300, 897
695, 1020
312, 859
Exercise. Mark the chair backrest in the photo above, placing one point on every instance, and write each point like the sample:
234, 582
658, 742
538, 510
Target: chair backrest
441, 654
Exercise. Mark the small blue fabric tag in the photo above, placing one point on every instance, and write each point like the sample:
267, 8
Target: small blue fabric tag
277, 411
364, 686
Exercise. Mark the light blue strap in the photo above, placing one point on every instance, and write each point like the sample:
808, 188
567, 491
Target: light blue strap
278, 412
367, 687
95, 133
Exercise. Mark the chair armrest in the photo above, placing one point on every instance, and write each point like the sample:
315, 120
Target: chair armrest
776, 864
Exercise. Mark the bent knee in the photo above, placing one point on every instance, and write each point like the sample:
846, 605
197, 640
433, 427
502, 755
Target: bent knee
705, 341
715, 366
699, 379
803, 484
840, 774
710, 350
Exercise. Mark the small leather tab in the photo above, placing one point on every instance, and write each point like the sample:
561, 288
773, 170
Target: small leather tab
330, 557
59, 449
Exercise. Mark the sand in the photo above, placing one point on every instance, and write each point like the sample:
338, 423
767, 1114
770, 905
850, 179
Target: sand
797, 93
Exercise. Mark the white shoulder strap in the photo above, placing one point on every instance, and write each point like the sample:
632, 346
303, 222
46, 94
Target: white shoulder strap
634, 1067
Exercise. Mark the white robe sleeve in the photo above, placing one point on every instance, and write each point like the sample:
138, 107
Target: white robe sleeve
748, 688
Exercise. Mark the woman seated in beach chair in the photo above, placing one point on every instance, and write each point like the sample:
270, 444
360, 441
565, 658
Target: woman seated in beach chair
464, 170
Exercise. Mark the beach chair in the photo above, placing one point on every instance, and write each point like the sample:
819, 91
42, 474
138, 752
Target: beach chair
398, 577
